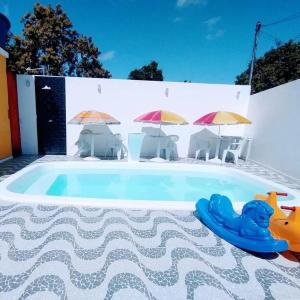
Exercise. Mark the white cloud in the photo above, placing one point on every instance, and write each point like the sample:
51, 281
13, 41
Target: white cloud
108, 55
183, 3
213, 29
177, 19
212, 22
214, 35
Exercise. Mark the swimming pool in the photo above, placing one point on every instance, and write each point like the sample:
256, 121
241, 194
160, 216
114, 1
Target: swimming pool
133, 185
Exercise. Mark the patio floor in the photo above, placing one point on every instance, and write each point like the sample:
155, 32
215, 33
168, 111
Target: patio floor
69, 252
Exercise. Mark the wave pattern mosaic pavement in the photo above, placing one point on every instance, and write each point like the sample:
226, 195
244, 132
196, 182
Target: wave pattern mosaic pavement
62, 252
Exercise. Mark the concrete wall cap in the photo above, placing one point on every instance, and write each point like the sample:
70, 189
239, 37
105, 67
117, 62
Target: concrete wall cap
3, 53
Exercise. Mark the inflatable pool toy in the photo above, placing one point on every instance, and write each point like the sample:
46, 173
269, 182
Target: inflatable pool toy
248, 231
281, 225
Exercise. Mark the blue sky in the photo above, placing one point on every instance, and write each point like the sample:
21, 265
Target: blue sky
199, 40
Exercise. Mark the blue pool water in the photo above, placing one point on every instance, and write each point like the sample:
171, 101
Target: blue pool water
139, 184
153, 185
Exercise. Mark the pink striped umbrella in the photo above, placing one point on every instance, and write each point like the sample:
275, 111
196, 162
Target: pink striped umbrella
221, 118
161, 117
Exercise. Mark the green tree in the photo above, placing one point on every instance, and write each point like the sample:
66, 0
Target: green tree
49, 41
148, 72
277, 66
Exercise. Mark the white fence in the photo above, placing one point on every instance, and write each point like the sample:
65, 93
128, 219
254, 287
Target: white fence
276, 131
274, 113
127, 99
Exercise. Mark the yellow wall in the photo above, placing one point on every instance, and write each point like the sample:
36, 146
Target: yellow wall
5, 137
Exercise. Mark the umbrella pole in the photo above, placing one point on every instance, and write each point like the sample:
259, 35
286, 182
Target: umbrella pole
93, 146
218, 144
158, 145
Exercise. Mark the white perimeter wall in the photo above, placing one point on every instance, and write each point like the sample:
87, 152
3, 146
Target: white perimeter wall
276, 131
127, 99
27, 114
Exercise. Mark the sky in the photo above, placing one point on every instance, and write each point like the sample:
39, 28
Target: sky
207, 41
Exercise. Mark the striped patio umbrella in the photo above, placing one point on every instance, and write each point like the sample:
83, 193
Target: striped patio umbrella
93, 117
221, 118
161, 117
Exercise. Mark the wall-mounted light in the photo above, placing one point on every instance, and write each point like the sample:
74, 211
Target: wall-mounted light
46, 87
99, 88
237, 96
167, 92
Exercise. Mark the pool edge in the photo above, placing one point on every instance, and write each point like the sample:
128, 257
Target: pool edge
7, 195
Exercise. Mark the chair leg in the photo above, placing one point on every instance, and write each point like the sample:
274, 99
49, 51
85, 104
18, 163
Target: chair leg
106, 151
168, 154
206, 156
235, 155
119, 152
224, 156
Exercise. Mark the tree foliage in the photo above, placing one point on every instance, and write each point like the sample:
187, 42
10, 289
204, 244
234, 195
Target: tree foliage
277, 66
148, 72
49, 41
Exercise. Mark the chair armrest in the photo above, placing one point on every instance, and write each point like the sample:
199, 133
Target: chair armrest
233, 144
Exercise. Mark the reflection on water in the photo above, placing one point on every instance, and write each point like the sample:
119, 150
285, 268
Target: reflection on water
152, 185
86, 185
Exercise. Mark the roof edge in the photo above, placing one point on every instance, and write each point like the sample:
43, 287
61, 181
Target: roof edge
3, 53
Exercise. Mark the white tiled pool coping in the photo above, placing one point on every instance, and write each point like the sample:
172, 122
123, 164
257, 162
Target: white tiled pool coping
6, 194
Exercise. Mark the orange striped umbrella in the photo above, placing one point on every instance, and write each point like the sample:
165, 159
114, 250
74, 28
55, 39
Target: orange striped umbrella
93, 117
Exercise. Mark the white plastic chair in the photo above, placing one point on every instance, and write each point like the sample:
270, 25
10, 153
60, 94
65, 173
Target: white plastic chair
202, 146
84, 143
170, 147
116, 146
234, 149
